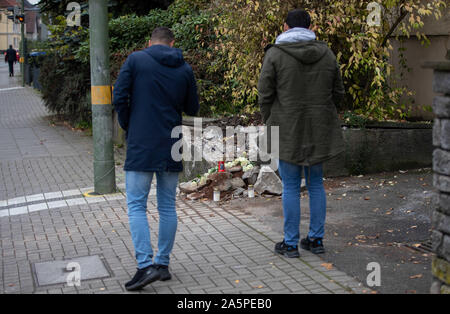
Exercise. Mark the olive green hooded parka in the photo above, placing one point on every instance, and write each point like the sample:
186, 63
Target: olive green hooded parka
299, 88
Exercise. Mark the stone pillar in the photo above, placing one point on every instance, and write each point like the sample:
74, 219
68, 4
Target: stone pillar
441, 168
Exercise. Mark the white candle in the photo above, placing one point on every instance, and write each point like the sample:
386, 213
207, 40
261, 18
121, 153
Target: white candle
251, 191
216, 195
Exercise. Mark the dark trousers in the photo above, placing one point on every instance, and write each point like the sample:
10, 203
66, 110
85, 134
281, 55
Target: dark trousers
11, 67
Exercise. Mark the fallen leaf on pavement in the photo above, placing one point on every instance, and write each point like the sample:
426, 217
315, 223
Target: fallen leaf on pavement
328, 266
416, 276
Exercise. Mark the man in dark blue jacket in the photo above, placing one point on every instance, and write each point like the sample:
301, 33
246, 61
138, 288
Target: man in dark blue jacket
11, 58
155, 86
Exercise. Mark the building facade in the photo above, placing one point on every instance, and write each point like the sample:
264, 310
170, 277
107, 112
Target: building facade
9, 31
416, 78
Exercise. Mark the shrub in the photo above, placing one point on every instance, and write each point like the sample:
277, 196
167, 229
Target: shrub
65, 86
247, 26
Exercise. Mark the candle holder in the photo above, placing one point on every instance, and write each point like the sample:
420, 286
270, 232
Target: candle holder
251, 191
216, 195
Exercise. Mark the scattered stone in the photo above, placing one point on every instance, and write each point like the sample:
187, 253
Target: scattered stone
235, 169
268, 182
238, 192
251, 176
188, 187
237, 183
225, 186
220, 176
195, 196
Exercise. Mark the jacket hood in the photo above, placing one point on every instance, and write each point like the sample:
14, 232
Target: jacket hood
294, 35
167, 56
308, 52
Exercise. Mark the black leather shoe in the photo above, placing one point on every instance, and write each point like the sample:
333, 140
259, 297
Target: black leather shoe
164, 272
150, 274
315, 246
137, 277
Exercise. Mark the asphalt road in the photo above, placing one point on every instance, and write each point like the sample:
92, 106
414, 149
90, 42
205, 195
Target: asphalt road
382, 218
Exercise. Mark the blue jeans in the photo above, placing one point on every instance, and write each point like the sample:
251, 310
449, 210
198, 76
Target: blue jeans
291, 175
138, 187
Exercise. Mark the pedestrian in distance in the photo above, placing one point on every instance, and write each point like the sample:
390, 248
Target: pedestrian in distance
299, 88
155, 86
10, 58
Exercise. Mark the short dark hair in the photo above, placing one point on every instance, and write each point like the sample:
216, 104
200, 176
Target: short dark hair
298, 18
163, 35
10, 46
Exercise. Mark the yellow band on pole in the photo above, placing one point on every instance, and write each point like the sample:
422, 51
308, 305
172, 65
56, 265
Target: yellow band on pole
101, 95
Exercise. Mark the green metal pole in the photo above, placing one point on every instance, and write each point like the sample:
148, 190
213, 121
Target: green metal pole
104, 165
22, 46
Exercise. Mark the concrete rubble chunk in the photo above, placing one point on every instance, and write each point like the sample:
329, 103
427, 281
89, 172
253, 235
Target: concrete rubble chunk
237, 183
221, 180
235, 169
225, 186
188, 187
268, 182
238, 192
251, 176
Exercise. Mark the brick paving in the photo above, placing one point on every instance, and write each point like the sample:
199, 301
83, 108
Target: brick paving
44, 216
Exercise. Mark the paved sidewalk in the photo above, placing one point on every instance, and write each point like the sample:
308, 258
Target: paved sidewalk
44, 216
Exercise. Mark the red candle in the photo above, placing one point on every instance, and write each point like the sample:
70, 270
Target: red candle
221, 166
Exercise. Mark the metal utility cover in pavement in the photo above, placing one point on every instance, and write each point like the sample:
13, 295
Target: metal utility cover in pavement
55, 272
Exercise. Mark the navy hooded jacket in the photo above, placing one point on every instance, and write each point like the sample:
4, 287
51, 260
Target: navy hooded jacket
155, 86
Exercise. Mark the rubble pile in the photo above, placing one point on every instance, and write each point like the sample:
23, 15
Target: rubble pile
234, 182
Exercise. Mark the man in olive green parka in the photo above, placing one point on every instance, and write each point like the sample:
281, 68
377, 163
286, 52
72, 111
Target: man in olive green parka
299, 88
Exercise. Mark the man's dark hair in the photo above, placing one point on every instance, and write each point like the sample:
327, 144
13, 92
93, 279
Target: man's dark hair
10, 46
163, 35
298, 18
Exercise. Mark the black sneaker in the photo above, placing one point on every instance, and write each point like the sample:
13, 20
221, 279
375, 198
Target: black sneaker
315, 246
136, 278
164, 272
287, 250
150, 274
